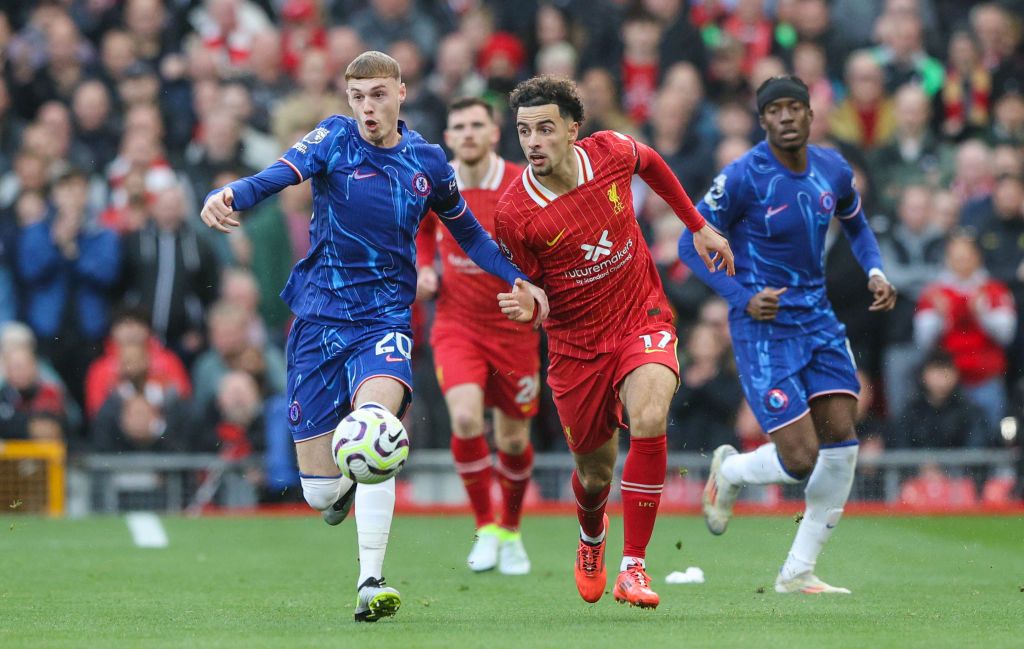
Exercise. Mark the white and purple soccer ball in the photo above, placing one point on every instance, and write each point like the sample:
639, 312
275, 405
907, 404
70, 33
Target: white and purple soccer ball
370, 445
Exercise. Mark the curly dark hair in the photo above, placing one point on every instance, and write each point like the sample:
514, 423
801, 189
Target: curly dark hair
544, 90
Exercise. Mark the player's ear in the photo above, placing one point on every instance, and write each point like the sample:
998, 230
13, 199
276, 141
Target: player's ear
574, 131
449, 139
401, 92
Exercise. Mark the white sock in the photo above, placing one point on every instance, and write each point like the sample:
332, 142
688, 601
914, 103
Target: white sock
375, 507
321, 492
592, 540
826, 493
628, 561
760, 466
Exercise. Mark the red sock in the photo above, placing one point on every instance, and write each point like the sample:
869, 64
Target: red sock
643, 478
513, 476
473, 464
590, 507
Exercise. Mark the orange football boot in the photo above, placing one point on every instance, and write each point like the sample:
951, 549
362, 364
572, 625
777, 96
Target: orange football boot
591, 576
634, 586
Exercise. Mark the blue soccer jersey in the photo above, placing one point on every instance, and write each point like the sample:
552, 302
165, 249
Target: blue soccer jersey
776, 221
368, 202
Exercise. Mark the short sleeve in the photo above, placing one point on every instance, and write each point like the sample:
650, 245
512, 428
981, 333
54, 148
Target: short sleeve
308, 157
513, 245
723, 203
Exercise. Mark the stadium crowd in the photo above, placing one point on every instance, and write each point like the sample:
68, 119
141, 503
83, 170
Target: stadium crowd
128, 325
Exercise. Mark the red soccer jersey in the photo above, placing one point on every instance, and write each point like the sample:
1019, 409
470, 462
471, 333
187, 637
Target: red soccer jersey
585, 249
468, 293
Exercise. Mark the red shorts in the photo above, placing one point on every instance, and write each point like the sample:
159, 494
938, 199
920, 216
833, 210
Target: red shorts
505, 365
586, 392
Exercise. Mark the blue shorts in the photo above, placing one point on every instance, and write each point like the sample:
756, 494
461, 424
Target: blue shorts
780, 377
326, 366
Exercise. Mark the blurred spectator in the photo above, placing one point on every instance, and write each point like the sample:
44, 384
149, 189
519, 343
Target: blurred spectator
965, 100
68, 267
858, 19
939, 416
171, 273
148, 24
117, 54
867, 117
238, 287
231, 350
602, 106
674, 134
703, 411
1008, 119
748, 24
453, 73
313, 100
269, 83
217, 146
973, 178
726, 81
913, 253
812, 21
259, 149
344, 44
972, 317
130, 328
67, 56
902, 54
134, 423
684, 79
31, 407
558, 60
999, 31
94, 130
241, 423
385, 22
640, 64
226, 28
811, 65
302, 30
11, 127
421, 110
680, 40
914, 156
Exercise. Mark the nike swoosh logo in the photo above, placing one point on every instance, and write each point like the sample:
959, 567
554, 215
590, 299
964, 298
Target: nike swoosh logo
394, 438
358, 175
556, 239
651, 351
391, 359
772, 211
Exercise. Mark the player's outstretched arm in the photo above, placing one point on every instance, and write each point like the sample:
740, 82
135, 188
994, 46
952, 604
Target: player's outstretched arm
244, 193
476, 243
724, 284
712, 248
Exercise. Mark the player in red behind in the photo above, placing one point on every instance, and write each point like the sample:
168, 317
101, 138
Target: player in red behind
481, 357
568, 222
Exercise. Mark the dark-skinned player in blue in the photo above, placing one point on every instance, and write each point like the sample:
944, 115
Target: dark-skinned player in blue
774, 204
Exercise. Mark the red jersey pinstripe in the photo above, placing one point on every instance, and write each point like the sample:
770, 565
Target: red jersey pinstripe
586, 250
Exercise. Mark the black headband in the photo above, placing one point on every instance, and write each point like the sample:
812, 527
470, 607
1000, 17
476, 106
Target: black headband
781, 88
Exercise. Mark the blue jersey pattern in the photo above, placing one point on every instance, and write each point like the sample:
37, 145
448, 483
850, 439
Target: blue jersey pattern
776, 221
367, 206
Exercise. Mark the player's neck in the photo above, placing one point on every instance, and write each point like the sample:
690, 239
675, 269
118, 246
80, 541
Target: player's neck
795, 161
389, 142
472, 174
563, 178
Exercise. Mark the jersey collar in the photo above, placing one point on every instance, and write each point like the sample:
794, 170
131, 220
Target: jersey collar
543, 196
491, 180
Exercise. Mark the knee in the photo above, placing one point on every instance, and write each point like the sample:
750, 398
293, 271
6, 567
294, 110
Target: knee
800, 461
594, 479
466, 423
650, 420
321, 493
513, 444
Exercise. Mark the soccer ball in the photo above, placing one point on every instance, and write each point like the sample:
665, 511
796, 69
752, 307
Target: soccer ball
370, 445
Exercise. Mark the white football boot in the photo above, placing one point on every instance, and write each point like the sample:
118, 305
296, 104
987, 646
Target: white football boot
512, 557
375, 600
484, 555
807, 583
719, 494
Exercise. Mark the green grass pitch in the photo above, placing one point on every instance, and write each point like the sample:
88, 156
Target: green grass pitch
289, 582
